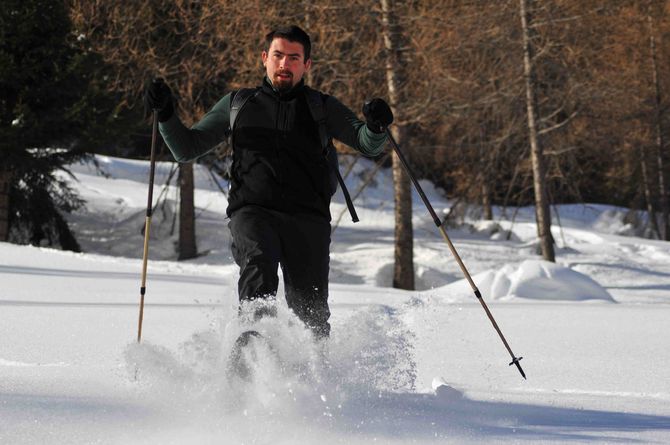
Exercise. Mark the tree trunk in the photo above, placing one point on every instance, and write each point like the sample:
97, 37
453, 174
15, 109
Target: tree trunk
485, 168
307, 7
648, 197
542, 212
5, 180
187, 247
660, 161
403, 271
486, 201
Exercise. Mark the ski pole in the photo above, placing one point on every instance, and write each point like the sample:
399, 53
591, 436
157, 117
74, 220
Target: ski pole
440, 226
147, 221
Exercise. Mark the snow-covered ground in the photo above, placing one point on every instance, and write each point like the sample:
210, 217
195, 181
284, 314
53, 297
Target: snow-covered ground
593, 330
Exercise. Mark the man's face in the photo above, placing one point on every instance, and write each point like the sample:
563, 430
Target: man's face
285, 63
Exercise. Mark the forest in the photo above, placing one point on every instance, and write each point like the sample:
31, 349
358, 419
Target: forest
499, 103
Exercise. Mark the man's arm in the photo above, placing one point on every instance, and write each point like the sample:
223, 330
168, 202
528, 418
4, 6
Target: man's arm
343, 125
189, 144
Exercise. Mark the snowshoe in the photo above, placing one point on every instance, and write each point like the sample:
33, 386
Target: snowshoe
250, 352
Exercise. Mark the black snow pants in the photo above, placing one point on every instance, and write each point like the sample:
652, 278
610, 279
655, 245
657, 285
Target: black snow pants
264, 239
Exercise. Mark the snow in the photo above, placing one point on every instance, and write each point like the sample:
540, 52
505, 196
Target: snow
532, 279
421, 366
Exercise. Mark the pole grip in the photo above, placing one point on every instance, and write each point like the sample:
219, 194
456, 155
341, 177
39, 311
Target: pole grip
152, 162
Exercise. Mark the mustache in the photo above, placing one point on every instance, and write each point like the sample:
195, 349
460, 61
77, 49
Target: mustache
285, 73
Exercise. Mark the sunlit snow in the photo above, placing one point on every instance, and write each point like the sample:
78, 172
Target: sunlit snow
422, 366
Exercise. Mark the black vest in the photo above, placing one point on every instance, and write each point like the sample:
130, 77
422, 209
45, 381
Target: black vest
278, 160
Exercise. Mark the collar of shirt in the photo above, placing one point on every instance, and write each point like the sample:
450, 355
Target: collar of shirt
285, 95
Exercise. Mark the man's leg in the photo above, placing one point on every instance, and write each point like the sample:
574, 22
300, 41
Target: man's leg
305, 247
256, 250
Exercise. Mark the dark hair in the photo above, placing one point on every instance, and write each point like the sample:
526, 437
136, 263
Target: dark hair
292, 34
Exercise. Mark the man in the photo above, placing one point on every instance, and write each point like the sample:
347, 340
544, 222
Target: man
280, 177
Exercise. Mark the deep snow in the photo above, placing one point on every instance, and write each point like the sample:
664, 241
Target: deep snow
593, 331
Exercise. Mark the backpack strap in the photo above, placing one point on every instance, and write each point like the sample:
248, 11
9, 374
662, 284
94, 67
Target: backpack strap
240, 97
318, 112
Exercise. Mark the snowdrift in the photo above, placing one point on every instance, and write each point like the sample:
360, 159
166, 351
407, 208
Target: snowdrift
532, 279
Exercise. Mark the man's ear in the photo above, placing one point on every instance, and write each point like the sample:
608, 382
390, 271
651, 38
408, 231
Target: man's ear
308, 65
264, 57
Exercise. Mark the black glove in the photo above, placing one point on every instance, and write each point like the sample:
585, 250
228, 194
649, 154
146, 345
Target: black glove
158, 96
378, 115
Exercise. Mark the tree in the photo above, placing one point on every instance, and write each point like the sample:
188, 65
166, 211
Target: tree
403, 272
542, 213
658, 127
630, 70
43, 114
180, 41
187, 245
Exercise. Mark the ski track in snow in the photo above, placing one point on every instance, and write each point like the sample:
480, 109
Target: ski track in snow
70, 371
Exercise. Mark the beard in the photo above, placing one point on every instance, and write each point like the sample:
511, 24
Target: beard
283, 84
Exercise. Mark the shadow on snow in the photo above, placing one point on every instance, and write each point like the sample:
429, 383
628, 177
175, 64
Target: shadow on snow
449, 414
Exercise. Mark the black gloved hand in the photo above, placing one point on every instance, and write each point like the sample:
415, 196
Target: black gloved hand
378, 115
158, 96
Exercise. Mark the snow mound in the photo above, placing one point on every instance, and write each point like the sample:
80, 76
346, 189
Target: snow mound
493, 230
532, 279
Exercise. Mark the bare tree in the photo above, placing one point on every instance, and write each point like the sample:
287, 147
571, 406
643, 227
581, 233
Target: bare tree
187, 245
542, 211
403, 272
664, 232
463, 103
179, 41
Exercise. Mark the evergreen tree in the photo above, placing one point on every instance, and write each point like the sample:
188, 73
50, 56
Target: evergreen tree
51, 107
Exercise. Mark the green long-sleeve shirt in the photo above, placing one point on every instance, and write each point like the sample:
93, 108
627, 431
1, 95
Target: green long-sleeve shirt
278, 158
188, 144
